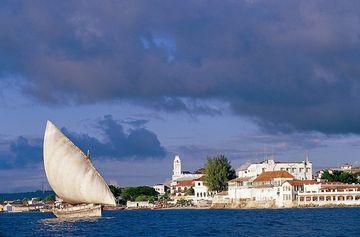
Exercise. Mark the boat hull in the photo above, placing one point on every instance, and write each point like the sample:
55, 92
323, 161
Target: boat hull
79, 211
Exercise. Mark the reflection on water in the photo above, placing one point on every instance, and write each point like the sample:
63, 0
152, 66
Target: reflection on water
67, 225
279, 222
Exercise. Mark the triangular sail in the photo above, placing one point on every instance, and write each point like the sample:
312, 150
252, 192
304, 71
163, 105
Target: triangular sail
70, 173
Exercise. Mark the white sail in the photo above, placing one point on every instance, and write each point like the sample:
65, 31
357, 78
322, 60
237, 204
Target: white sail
70, 172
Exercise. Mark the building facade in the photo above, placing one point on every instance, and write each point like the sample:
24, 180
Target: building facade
161, 188
329, 194
263, 191
201, 191
300, 170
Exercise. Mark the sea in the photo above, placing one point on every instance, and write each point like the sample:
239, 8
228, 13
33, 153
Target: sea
224, 222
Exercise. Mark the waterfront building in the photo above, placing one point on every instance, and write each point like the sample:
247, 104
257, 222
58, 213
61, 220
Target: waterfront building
262, 191
15, 207
328, 194
201, 191
161, 188
140, 205
300, 170
182, 188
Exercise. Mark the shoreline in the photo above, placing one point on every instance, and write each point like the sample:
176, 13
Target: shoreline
212, 208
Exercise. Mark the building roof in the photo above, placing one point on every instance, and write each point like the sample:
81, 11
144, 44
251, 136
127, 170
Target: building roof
270, 175
184, 183
302, 182
241, 179
263, 186
340, 186
202, 178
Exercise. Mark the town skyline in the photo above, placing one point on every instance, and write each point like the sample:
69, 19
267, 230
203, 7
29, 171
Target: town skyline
137, 82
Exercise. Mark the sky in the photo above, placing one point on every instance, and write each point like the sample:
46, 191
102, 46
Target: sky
139, 81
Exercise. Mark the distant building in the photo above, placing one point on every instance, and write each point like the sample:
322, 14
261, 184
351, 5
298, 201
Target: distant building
178, 174
161, 188
300, 170
15, 207
140, 204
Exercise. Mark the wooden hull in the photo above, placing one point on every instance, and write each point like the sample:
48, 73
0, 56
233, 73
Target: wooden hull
80, 211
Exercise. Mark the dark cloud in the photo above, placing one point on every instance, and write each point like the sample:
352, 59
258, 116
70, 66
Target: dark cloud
289, 64
137, 143
20, 153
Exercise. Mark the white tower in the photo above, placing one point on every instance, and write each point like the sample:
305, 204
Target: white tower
177, 167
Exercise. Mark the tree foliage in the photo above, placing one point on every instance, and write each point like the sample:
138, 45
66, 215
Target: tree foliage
49, 198
190, 191
131, 193
217, 172
340, 176
116, 191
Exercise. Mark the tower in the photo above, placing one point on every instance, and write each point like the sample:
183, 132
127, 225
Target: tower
177, 167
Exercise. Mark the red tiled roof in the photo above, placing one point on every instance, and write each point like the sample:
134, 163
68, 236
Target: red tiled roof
185, 183
270, 175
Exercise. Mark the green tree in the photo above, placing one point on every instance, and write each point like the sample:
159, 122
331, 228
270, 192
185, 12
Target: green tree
190, 191
142, 198
340, 176
116, 191
326, 175
217, 172
165, 197
131, 193
49, 198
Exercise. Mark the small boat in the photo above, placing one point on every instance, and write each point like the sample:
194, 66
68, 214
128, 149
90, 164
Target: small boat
73, 177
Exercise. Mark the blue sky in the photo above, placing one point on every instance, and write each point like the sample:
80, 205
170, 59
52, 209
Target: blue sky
137, 81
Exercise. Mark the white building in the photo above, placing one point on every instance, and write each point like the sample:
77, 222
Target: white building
160, 188
280, 190
179, 175
182, 189
140, 204
201, 191
329, 193
300, 170
239, 188
263, 191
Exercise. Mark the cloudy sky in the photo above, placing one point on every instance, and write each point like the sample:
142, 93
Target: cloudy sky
138, 81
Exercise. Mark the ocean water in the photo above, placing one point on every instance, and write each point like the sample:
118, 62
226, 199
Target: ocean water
265, 222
